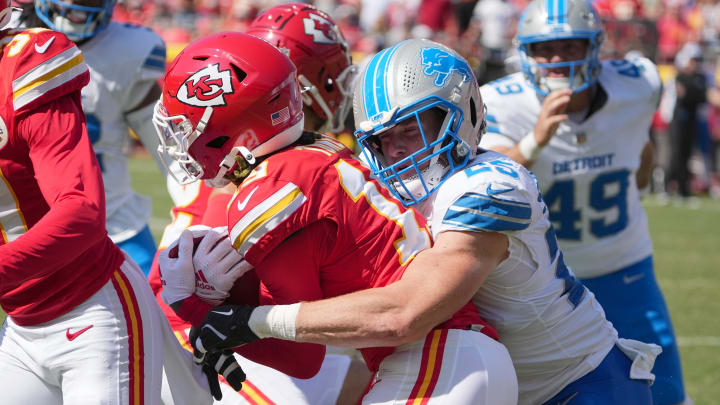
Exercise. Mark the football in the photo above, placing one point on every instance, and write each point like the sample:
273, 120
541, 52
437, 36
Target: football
173, 252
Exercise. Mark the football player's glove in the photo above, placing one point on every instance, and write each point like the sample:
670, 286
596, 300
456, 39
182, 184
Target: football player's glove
177, 274
217, 266
224, 327
218, 363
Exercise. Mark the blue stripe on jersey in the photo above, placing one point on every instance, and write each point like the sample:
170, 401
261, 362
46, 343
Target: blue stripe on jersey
562, 11
483, 212
156, 59
154, 63
491, 118
375, 96
159, 51
493, 129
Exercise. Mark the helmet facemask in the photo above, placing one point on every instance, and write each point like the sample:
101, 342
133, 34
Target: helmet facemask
560, 20
582, 72
176, 133
78, 22
440, 153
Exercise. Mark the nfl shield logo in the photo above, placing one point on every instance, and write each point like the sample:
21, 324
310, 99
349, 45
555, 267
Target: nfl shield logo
580, 138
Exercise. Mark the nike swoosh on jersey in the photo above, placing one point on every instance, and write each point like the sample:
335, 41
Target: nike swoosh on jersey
241, 204
491, 191
631, 279
72, 335
228, 313
44, 47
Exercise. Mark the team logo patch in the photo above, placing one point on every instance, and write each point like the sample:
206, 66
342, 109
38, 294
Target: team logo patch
442, 63
206, 87
320, 29
4, 135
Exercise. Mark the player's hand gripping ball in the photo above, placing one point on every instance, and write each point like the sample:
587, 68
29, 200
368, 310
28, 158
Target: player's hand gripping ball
216, 264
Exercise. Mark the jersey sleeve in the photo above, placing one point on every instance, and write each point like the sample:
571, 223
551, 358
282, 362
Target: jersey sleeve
487, 201
69, 179
47, 66
259, 216
146, 58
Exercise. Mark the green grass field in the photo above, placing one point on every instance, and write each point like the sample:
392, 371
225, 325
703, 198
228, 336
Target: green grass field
687, 260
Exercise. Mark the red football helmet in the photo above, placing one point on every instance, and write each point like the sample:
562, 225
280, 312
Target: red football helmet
226, 99
316, 46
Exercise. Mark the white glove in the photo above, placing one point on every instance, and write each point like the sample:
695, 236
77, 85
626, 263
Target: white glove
177, 275
217, 265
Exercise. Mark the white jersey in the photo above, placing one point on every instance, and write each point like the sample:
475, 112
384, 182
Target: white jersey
587, 171
125, 61
553, 327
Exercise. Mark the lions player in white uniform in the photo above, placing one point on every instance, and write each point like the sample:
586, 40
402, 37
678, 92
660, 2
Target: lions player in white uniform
125, 62
421, 116
582, 126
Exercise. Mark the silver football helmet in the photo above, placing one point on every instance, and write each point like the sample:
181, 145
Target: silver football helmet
403, 83
550, 20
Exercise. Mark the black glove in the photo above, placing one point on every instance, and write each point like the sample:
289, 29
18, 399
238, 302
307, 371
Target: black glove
225, 327
218, 363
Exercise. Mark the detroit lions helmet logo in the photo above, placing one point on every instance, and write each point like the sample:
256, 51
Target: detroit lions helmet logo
443, 63
206, 87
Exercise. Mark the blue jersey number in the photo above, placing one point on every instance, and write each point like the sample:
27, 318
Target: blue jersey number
497, 166
93, 130
626, 68
567, 216
573, 288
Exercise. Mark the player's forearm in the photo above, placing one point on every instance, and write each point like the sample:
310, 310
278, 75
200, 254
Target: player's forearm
368, 318
435, 285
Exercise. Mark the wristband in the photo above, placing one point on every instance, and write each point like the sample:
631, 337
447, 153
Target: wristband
528, 147
276, 321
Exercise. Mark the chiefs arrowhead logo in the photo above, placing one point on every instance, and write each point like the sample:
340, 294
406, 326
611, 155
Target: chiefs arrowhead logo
320, 29
206, 87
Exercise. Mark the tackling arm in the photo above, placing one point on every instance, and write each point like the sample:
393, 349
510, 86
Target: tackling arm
437, 283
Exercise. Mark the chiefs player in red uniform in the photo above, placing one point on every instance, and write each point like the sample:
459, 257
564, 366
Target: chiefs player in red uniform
316, 46
309, 219
83, 326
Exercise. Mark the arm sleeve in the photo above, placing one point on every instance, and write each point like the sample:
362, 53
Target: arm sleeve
290, 274
69, 178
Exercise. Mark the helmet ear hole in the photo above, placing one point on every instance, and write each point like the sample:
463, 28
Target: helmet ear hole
329, 84
473, 112
218, 142
241, 75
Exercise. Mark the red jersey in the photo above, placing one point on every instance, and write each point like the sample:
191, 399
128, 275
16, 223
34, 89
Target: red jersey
364, 237
54, 250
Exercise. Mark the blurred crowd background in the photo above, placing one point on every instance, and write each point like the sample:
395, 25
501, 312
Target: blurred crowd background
670, 32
